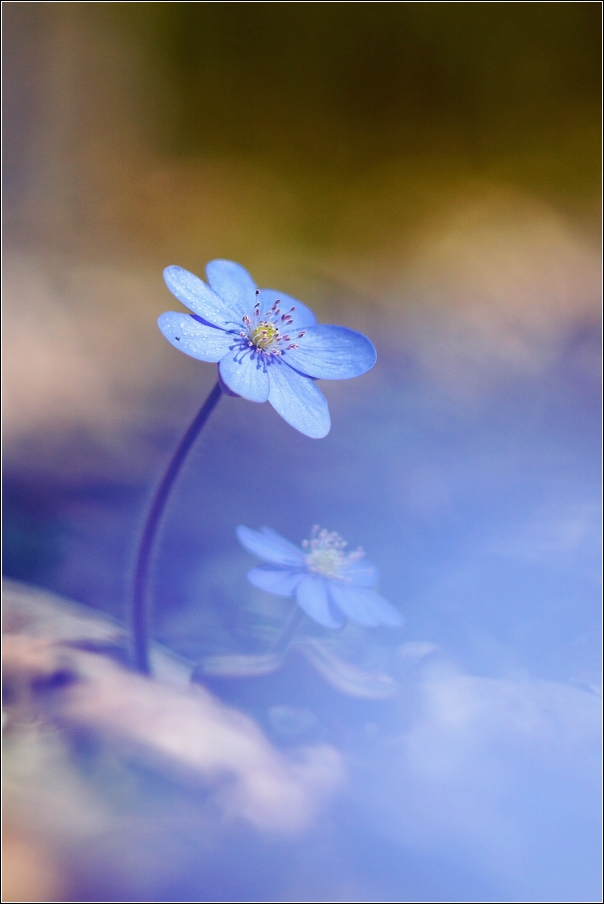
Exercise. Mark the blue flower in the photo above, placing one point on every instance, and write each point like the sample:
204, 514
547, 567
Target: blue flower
329, 584
268, 346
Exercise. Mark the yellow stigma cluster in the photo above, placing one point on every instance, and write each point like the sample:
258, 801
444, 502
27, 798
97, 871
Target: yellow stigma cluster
262, 331
264, 334
326, 553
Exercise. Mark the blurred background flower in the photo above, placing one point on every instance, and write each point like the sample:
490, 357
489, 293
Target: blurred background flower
428, 174
330, 584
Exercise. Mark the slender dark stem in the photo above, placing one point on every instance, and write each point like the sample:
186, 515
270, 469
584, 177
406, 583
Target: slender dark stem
140, 612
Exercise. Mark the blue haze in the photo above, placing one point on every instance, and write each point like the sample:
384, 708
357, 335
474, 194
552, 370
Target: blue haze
482, 513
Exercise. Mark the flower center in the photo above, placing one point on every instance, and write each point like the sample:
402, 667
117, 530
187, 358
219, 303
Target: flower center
326, 553
264, 335
262, 331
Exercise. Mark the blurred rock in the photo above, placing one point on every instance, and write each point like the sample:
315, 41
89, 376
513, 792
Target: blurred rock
90, 746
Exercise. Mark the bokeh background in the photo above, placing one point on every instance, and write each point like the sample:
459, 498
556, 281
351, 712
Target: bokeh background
428, 173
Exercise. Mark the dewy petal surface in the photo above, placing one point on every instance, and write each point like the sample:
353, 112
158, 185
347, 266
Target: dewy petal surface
282, 582
234, 284
302, 316
245, 373
332, 353
270, 546
298, 400
364, 606
206, 343
312, 597
199, 298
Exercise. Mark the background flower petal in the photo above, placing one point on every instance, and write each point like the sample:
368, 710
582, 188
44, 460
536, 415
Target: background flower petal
332, 353
246, 374
233, 283
199, 298
302, 316
298, 401
270, 546
364, 606
282, 581
297, 555
312, 597
206, 343
361, 574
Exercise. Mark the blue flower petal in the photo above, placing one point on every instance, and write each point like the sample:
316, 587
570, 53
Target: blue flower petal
364, 606
361, 574
282, 581
206, 343
332, 353
233, 283
298, 400
270, 546
289, 549
312, 597
245, 373
301, 315
199, 298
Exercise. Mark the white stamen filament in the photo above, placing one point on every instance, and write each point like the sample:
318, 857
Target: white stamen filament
326, 553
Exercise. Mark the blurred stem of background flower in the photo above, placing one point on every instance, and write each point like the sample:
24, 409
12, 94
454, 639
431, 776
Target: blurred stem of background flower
140, 612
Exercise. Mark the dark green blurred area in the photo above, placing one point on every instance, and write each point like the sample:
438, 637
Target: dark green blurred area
352, 84
367, 117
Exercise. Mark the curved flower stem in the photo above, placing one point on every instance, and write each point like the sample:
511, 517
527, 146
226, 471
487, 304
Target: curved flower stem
292, 623
140, 614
